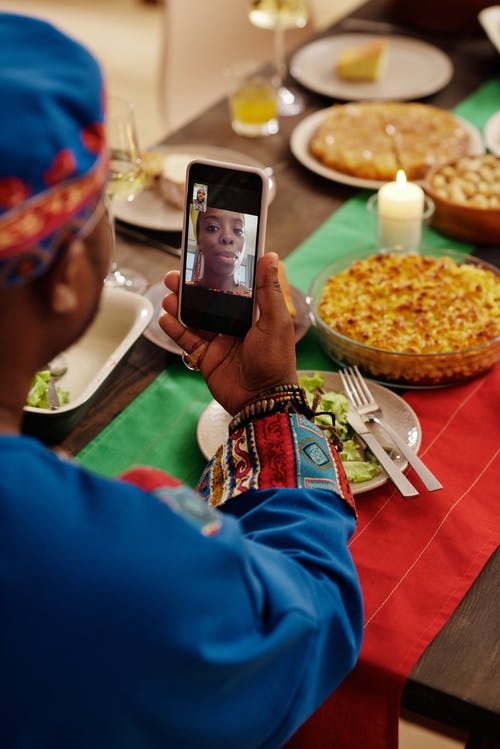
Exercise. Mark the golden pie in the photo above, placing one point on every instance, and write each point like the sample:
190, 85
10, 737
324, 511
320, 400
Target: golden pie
373, 140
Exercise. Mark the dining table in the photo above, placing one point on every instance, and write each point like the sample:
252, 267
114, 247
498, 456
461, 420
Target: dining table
454, 684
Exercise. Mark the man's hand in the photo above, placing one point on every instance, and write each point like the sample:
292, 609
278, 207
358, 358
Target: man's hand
238, 369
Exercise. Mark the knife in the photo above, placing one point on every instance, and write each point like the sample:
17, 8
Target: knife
397, 477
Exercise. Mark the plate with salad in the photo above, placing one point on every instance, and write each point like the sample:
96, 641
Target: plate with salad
363, 471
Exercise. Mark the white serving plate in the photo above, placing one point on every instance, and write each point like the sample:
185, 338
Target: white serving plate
489, 18
121, 319
150, 210
303, 132
492, 133
157, 335
414, 69
154, 332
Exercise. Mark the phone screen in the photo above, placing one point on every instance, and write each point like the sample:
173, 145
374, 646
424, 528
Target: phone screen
224, 228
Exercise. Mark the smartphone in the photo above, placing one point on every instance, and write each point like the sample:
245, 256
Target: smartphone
224, 227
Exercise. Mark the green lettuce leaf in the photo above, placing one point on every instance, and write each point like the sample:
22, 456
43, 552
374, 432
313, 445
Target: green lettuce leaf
360, 470
38, 392
358, 466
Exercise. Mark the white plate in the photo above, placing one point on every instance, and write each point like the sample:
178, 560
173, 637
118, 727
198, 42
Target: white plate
303, 132
122, 317
492, 133
153, 332
213, 422
149, 209
489, 18
414, 69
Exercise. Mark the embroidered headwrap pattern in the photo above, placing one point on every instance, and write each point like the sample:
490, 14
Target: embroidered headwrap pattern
53, 159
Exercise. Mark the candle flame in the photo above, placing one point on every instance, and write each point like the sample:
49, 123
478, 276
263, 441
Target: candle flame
401, 178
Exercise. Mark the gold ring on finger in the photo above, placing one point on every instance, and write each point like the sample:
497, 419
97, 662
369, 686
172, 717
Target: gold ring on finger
192, 361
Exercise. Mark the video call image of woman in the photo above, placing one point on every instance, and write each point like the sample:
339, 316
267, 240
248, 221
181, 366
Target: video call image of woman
222, 245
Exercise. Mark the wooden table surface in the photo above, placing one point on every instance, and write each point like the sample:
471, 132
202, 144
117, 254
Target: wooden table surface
457, 680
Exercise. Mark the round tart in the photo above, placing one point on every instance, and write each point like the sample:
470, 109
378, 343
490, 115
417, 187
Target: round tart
373, 140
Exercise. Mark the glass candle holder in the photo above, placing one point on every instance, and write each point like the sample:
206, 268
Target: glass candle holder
400, 235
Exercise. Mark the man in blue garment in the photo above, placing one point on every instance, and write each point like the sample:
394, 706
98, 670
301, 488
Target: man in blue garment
137, 612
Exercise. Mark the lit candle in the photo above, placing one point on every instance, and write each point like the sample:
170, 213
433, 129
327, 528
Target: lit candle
400, 213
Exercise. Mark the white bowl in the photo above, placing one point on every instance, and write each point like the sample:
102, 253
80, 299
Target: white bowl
121, 319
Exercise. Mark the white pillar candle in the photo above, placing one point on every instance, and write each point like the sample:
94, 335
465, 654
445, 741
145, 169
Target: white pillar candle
400, 212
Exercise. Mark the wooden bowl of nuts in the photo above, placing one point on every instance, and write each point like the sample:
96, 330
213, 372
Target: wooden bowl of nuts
466, 195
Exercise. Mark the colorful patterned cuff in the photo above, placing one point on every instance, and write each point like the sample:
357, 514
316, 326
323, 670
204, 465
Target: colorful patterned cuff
277, 451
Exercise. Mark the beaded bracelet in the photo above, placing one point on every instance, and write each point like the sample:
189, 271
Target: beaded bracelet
283, 399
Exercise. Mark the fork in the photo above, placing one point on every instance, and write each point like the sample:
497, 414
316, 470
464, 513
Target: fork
57, 368
367, 407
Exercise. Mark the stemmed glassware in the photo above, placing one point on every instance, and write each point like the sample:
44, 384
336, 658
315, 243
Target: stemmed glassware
126, 180
280, 15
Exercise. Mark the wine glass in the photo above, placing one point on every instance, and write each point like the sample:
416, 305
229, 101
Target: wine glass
281, 15
126, 180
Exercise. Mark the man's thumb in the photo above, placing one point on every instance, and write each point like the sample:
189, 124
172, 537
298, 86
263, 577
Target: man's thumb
269, 295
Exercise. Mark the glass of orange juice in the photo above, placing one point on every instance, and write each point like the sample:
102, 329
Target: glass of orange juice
253, 103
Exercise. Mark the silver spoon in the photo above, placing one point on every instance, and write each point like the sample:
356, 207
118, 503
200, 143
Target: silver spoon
57, 367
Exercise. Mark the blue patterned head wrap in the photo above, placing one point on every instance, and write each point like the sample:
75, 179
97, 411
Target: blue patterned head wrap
53, 159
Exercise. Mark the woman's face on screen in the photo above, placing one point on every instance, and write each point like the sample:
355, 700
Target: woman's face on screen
221, 237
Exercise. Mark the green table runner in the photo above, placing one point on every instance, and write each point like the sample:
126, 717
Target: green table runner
159, 427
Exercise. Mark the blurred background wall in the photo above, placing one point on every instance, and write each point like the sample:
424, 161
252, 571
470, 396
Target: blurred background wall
167, 56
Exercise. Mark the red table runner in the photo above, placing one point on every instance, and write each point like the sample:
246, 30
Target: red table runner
416, 559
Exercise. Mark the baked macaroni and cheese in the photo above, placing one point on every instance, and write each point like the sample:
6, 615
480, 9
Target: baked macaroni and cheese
415, 319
